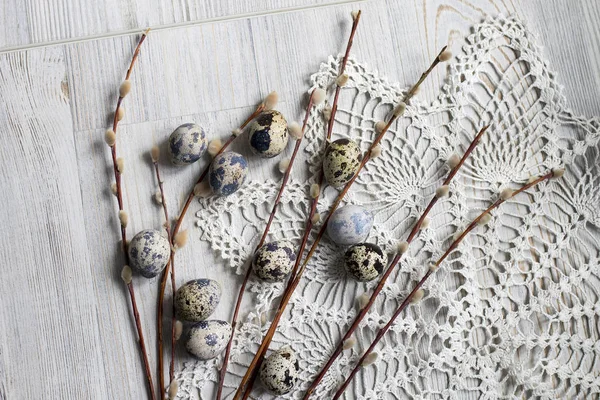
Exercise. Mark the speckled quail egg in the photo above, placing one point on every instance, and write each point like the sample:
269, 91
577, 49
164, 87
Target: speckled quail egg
227, 173
149, 252
273, 261
349, 225
341, 162
364, 261
197, 299
187, 144
207, 339
279, 372
268, 134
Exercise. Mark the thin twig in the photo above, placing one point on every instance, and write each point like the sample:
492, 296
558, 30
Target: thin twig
262, 240
119, 194
296, 279
169, 268
413, 233
430, 271
161, 297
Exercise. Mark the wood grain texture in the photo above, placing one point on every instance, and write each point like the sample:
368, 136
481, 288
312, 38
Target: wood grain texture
66, 326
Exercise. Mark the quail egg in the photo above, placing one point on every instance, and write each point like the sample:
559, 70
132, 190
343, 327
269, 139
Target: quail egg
274, 260
341, 162
227, 173
268, 134
149, 252
349, 225
187, 144
197, 299
207, 339
364, 261
279, 372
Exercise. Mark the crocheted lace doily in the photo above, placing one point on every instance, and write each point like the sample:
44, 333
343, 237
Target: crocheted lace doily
513, 312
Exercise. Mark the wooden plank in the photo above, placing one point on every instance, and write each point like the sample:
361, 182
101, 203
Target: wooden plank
31, 23
49, 333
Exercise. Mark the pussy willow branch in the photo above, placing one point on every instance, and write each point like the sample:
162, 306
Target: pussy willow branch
175, 230
296, 279
161, 297
413, 233
430, 272
119, 194
262, 240
338, 88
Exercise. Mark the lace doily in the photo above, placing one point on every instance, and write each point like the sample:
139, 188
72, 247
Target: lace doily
514, 312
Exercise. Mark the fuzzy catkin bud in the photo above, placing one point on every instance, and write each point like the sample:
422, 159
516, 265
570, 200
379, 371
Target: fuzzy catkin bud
110, 137
418, 296
126, 274
442, 191
236, 132
295, 130
402, 247
202, 189
283, 165
558, 172
485, 218
158, 197
433, 266
113, 188
453, 160
318, 96
271, 100
532, 179
506, 194
354, 14
425, 223
181, 239
214, 147
173, 389
327, 113
125, 88
315, 218
349, 343
123, 218
315, 189
376, 151
120, 113
155, 153
363, 300
400, 109
380, 126
445, 56
369, 359
178, 329
342, 80
120, 165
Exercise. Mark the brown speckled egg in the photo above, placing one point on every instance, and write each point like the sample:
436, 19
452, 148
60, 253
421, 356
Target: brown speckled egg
341, 162
196, 300
365, 261
207, 339
268, 134
279, 372
149, 252
274, 261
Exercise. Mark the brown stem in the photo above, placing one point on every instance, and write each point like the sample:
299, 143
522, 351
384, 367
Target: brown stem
119, 195
429, 272
342, 70
413, 233
238, 303
161, 297
296, 279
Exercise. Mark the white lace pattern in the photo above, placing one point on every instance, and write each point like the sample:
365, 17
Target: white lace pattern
514, 311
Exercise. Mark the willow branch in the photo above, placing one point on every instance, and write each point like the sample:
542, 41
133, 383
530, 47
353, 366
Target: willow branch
432, 268
296, 279
413, 233
119, 195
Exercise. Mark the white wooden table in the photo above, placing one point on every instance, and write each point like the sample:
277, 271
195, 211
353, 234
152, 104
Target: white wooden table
66, 326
